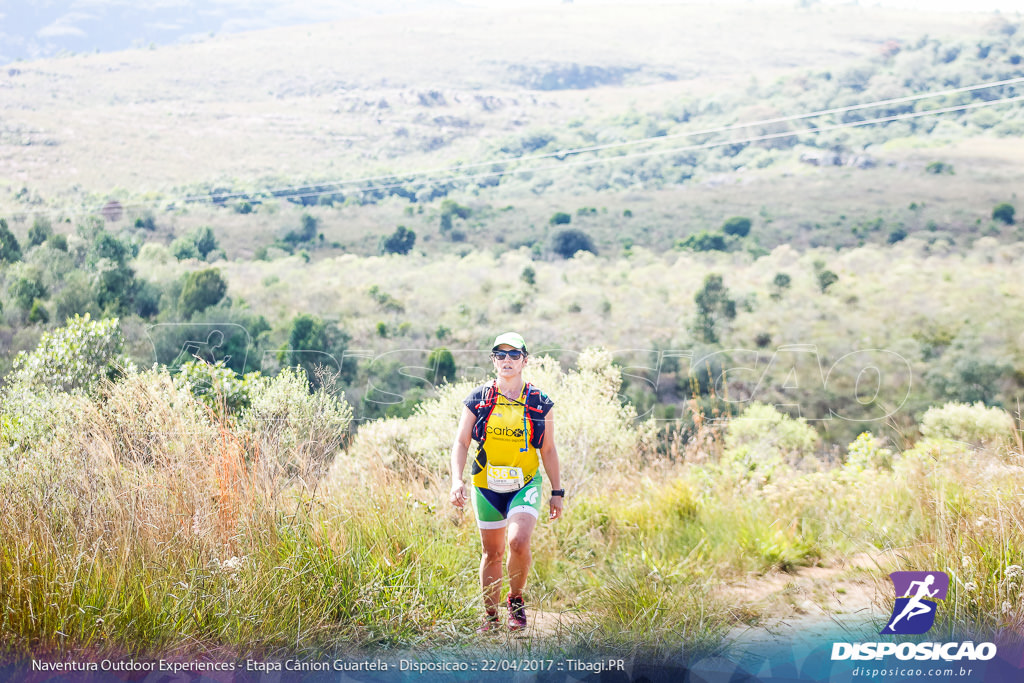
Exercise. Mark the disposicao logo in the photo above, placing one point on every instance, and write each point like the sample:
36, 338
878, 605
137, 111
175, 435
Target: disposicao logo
913, 614
916, 593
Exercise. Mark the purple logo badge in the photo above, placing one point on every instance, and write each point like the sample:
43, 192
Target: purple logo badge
916, 593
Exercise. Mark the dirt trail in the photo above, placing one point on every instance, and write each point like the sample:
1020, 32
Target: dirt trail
792, 608
778, 608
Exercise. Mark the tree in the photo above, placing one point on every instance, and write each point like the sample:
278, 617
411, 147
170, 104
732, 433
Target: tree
183, 248
400, 241
737, 225
76, 356
781, 283
10, 250
713, 307
567, 242
306, 233
704, 241
443, 363
202, 289
826, 278
40, 231
27, 288
1003, 212
560, 218
204, 240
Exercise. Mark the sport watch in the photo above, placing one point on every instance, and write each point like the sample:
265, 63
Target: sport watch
558, 492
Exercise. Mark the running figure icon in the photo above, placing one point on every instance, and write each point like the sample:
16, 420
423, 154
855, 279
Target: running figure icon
916, 595
914, 605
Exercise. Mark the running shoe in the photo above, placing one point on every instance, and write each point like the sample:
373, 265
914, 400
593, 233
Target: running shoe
490, 624
516, 613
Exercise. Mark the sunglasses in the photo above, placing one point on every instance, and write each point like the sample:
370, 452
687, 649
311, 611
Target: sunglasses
514, 354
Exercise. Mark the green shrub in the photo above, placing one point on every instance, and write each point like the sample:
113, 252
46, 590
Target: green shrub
939, 168
300, 432
714, 308
975, 424
442, 362
204, 239
26, 286
10, 250
868, 453
826, 278
567, 242
38, 313
1003, 212
76, 356
58, 242
40, 231
184, 248
762, 437
202, 289
218, 386
560, 218
737, 226
704, 241
401, 241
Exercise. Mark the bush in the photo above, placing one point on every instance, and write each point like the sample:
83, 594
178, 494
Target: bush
974, 424
897, 235
713, 308
1003, 212
38, 313
40, 231
218, 386
762, 440
704, 241
298, 431
442, 362
204, 240
202, 289
567, 242
26, 287
76, 356
939, 168
400, 241
868, 453
10, 250
560, 218
826, 278
184, 248
737, 225
58, 242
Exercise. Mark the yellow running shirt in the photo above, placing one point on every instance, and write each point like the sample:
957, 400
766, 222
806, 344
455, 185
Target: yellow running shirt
501, 463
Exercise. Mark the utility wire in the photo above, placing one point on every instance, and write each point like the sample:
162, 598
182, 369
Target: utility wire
686, 148
457, 172
321, 188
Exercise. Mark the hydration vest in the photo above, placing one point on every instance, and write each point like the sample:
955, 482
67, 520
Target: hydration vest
535, 408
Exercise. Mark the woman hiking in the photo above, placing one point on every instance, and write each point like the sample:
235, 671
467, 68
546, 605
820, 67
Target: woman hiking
512, 423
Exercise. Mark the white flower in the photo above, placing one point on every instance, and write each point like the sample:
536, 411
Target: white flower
1006, 607
970, 586
1013, 570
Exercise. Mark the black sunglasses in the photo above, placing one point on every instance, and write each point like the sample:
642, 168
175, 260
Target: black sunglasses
514, 354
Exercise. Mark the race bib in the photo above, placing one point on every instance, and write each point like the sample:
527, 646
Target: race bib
504, 479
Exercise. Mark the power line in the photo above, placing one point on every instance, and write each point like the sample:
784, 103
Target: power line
320, 188
687, 148
457, 172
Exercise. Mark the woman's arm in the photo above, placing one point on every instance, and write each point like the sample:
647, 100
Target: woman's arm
549, 454
460, 451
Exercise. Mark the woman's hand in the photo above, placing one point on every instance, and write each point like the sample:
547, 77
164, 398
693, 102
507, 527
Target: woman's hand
458, 494
555, 503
